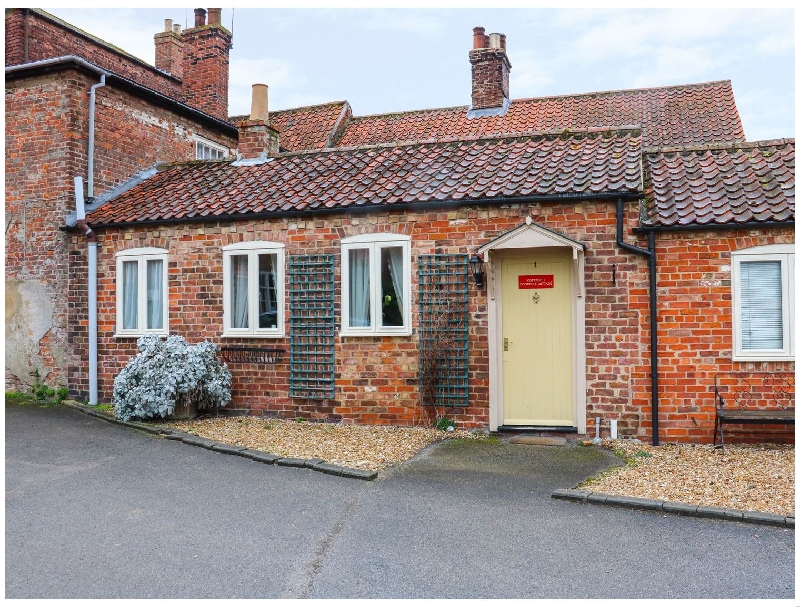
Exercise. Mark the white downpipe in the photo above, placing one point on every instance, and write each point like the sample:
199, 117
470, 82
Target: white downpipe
93, 323
92, 280
90, 152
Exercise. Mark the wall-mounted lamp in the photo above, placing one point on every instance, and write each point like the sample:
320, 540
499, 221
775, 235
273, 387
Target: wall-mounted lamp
476, 265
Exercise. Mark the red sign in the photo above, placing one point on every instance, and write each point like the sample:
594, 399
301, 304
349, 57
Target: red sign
536, 281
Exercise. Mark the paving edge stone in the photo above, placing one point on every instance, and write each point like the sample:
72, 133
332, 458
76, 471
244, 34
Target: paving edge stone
292, 462
679, 508
259, 456
197, 441
229, 449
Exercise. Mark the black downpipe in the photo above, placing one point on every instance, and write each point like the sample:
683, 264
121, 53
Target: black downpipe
650, 253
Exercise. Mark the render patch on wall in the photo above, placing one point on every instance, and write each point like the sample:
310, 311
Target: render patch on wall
29, 317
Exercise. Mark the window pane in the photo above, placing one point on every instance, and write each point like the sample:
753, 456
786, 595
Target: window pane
267, 292
155, 294
761, 305
239, 311
130, 295
359, 288
392, 295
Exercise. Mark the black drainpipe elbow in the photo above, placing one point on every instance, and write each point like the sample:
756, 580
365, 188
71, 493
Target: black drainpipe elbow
650, 253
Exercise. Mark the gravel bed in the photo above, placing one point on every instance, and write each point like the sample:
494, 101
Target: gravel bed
753, 477
743, 477
361, 447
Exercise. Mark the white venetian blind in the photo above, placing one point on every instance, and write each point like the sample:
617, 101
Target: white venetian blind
761, 305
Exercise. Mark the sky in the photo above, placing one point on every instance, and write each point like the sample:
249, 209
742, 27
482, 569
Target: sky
388, 60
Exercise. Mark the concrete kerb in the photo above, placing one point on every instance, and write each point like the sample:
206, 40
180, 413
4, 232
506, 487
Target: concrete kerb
258, 456
679, 508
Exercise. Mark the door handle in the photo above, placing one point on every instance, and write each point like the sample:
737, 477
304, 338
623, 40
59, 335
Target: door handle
505, 344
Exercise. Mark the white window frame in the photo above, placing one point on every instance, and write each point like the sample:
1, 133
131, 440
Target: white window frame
784, 253
142, 256
200, 141
253, 250
374, 243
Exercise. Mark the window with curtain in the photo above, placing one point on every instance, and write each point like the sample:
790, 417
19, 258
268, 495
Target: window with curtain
142, 302
253, 287
763, 299
376, 284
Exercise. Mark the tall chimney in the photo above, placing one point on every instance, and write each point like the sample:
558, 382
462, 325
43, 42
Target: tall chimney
257, 139
490, 70
206, 55
169, 49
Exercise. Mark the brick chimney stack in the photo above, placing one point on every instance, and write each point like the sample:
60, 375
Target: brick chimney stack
490, 70
206, 53
169, 49
257, 139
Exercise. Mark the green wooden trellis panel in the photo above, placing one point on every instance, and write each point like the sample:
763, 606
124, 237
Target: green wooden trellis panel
443, 331
312, 325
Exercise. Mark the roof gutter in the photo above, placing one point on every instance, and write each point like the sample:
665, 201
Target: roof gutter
372, 208
650, 253
699, 227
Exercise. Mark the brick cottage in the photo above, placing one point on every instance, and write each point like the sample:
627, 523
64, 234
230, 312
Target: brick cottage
502, 263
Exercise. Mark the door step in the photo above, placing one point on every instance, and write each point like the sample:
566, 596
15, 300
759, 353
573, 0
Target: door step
530, 429
554, 441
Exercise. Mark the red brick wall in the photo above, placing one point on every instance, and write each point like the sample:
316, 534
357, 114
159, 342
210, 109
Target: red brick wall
42, 155
46, 145
696, 331
205, 69
376, 378
48, 39
132, 134
199, 77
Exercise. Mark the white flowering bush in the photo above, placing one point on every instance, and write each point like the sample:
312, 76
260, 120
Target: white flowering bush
167, 372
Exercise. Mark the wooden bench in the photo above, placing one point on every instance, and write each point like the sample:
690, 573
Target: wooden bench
752, 397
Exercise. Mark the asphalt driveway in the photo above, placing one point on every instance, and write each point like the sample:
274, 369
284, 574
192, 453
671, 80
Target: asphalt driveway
96, 510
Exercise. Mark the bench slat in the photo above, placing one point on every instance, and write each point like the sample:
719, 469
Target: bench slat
757, 416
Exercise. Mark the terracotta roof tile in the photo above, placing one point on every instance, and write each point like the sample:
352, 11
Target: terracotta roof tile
675, 115
544, 165
717, 184
307, 128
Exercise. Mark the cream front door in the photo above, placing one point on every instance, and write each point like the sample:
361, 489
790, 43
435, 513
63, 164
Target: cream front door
537, 317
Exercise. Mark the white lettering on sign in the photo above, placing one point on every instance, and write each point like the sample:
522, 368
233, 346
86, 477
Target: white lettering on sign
536, 281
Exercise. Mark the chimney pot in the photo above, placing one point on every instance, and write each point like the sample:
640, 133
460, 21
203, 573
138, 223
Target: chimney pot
215, 16
477, 37
503, 41
176, 28
167, 25
199, 17
259, 109
494, 40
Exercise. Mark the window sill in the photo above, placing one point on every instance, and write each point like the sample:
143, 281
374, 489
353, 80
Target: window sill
766, 357
138, 335
351, 333
253, 335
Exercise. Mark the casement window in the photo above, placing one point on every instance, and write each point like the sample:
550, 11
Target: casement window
376, 285
763, 303
208, 150
253, 289
142, 296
